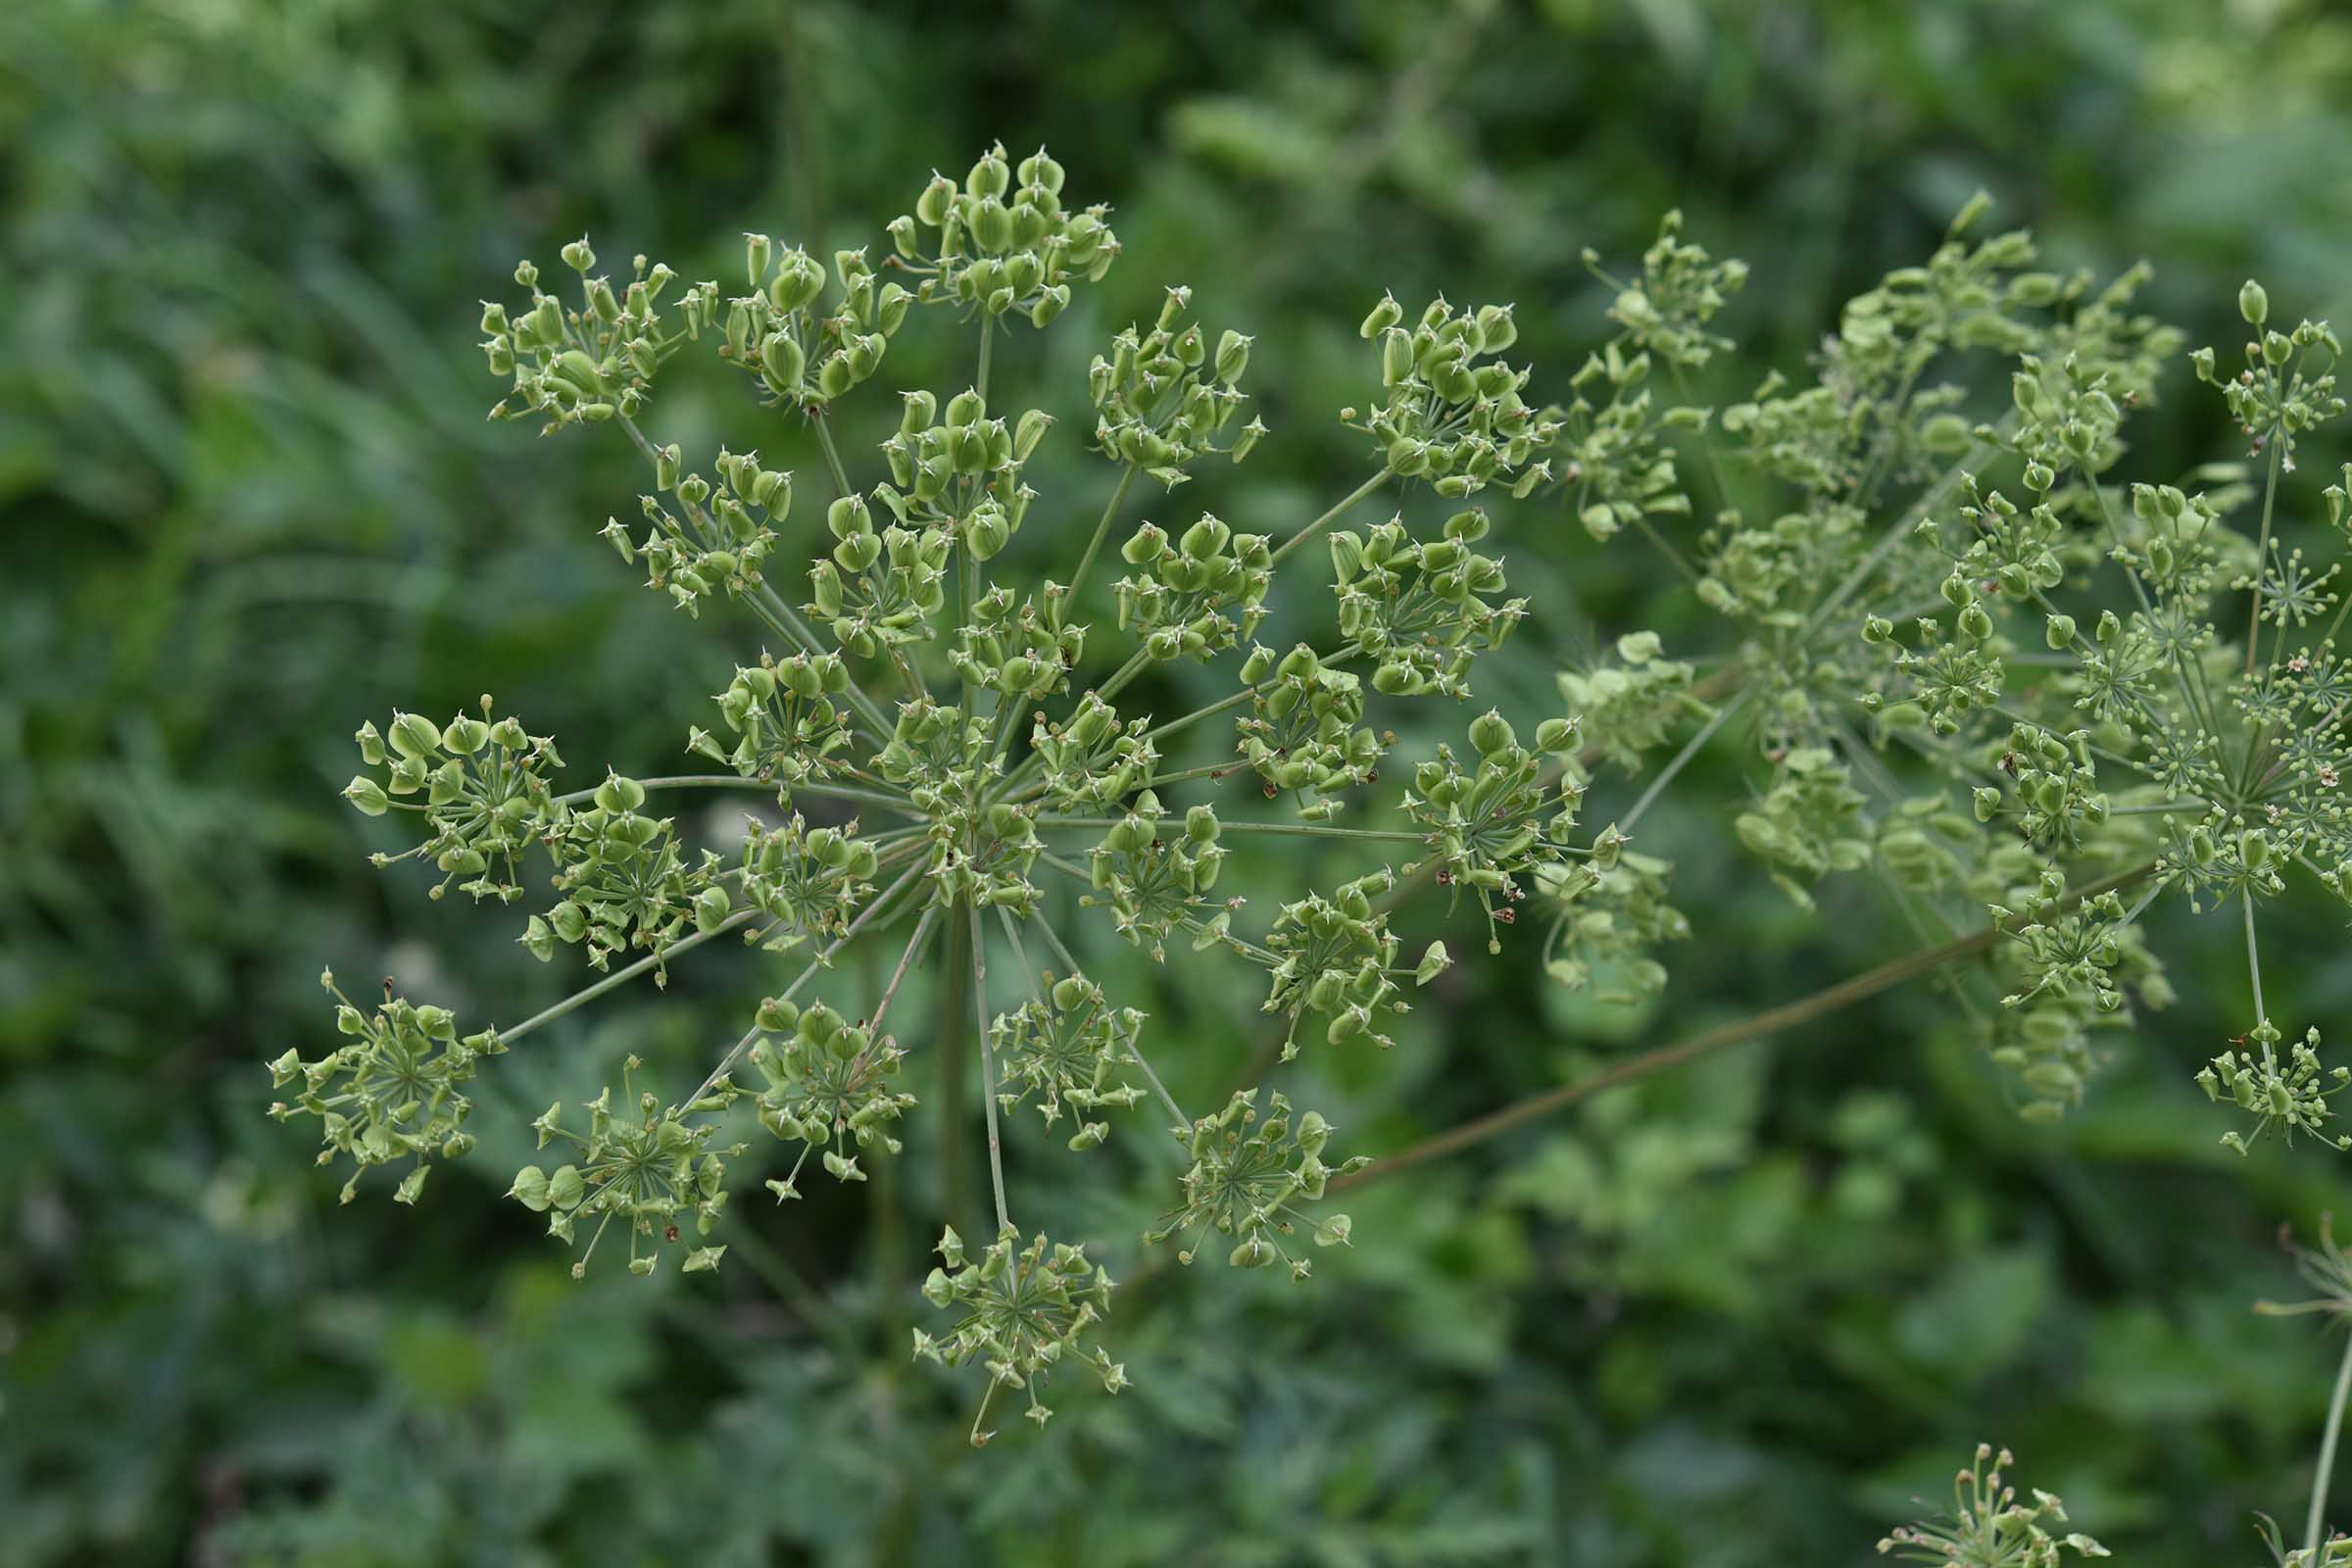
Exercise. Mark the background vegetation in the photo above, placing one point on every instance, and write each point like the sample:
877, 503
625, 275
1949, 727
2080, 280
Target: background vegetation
1736, 1316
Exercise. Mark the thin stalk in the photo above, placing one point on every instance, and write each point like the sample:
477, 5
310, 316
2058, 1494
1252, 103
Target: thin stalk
1134, 1052
2262, 552
1020, 955
1102, 531
915, 690
849, 934
868, 709
1690, 748
1325, 521
2312, 1521
1900, 529
735, 781
988, 1069
1882, 462
1309, 830
1053, 941
2191, 676
955, 974
1951, 983
1665, 548
1707, 1042
1010, 711
578, 999
1123, 674
988, 339
1706, 447
833, 463
1199, 713
914, 945
2254, 959
1207, 770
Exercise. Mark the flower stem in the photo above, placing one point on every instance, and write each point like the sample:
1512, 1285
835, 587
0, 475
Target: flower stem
2262, 550
1102, 531
1681, 758
2315, 1520
1310, 830
914, 945
736, 781
988, 1069
955, 973
849, 934
577, 999
1928, 501
1123, 674
824, 438
1210, 770
1325, 521
1707, 1042
1199, 713
2254, 959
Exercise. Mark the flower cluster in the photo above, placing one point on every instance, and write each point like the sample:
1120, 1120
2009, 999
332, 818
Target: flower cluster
958, 756
644, 1165
1245, 1173
1991, 1526
2041, 726
2047, 714
390, 1094
1019, 1314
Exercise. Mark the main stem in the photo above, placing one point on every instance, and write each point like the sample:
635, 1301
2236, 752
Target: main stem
2314, 1521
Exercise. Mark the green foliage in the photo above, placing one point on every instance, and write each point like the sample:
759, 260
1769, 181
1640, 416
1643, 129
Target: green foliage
266, 510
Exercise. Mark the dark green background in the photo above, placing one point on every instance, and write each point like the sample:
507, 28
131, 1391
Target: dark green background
1737, 1316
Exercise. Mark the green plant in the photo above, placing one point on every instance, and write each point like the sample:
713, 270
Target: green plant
926, 679
996, 749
